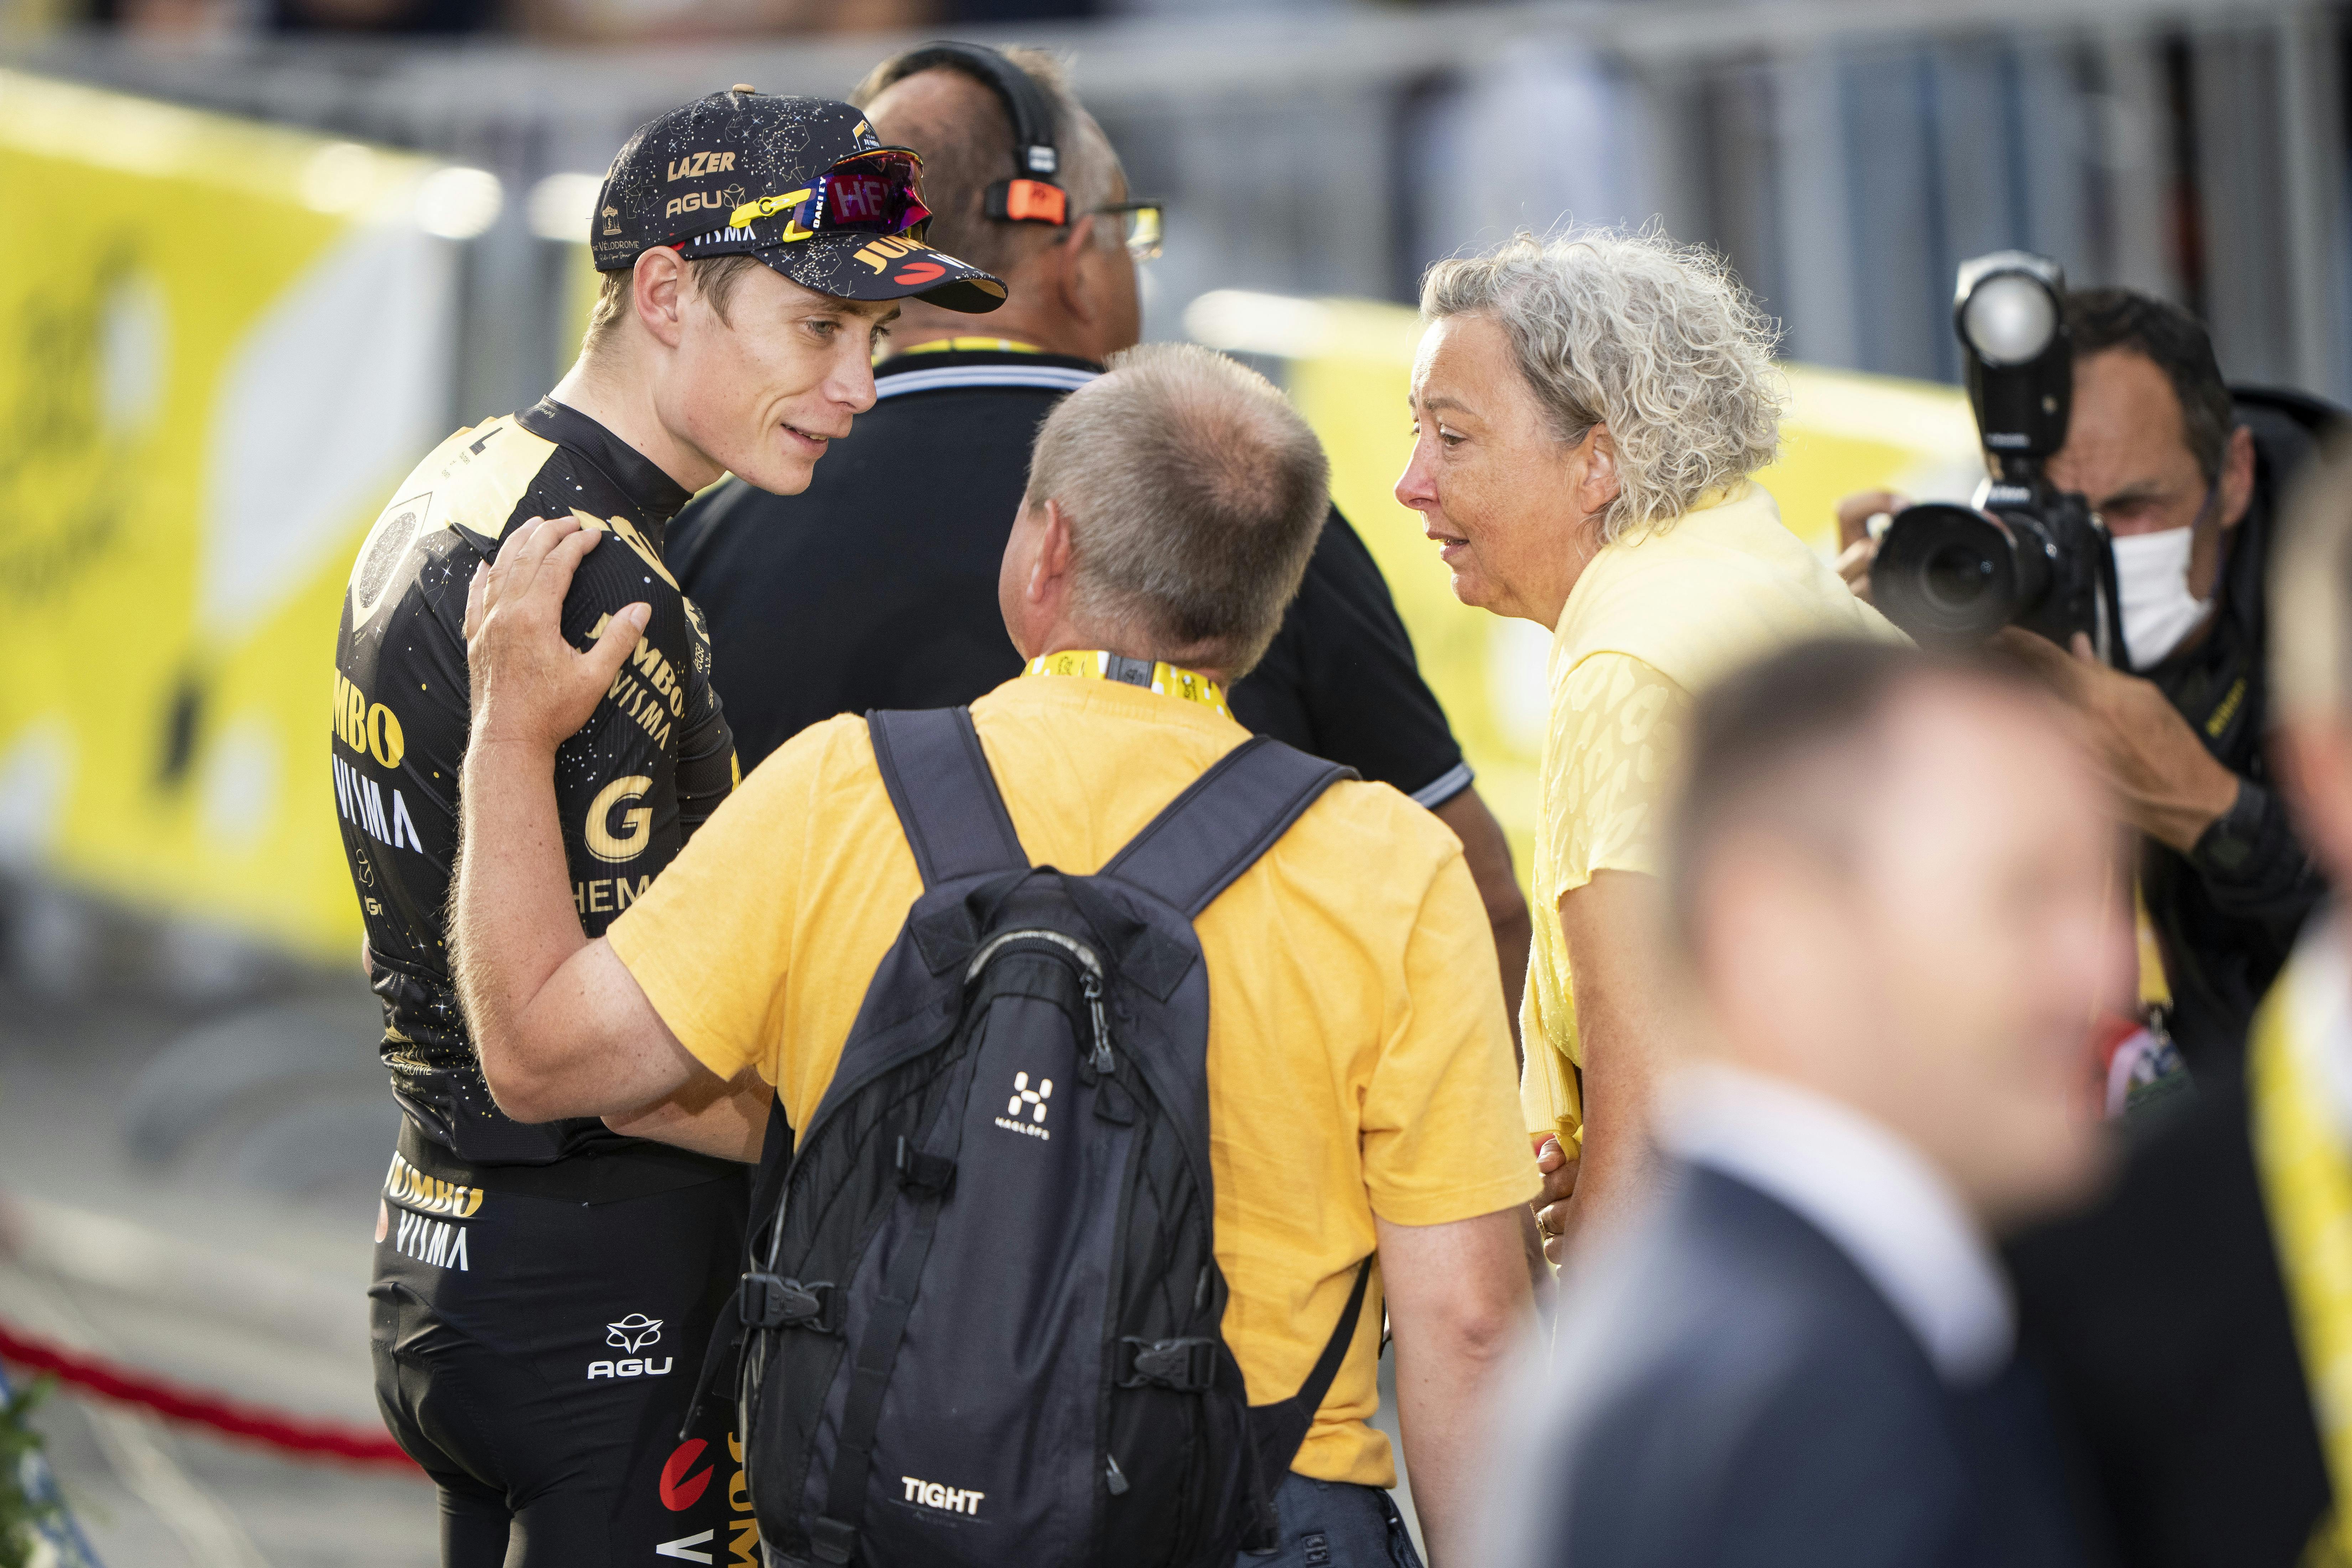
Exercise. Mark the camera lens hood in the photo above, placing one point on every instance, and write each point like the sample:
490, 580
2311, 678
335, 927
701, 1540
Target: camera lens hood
1952, 576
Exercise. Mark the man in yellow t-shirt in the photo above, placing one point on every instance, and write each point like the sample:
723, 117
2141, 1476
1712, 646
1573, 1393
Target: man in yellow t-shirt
1359, 1072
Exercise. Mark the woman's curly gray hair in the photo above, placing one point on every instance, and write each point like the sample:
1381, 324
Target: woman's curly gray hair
1655, 339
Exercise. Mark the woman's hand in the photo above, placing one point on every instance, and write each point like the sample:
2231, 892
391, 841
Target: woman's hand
1559, 1172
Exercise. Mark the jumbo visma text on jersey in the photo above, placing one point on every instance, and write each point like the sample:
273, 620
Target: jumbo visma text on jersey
651, 764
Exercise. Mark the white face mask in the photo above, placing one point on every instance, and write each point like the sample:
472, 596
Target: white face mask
2152, 573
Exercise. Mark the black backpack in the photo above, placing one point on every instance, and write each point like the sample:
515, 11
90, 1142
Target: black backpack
981, 1320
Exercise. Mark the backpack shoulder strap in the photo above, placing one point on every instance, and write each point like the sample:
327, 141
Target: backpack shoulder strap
1219, 826
723, 1355
1276, 1430
946, 798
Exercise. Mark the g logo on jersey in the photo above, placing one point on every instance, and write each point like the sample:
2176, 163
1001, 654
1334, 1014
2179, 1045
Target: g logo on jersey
636, 823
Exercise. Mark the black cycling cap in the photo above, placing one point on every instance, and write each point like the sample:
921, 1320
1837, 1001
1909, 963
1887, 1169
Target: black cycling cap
803, 183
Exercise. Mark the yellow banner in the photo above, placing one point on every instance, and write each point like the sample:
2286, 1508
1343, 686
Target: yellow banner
220, 345
227, 341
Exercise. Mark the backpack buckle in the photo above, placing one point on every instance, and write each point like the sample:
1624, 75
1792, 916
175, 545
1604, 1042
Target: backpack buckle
1188, 1367
925, 1175
772, 1303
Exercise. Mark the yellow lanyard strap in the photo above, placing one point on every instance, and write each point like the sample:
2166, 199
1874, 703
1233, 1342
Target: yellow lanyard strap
971, 345
1163, 678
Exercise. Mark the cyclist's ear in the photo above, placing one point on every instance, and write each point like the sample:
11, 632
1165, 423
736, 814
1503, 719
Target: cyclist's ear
659, 285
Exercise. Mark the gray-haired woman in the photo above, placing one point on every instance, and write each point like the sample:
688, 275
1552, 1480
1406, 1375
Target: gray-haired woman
1587, 412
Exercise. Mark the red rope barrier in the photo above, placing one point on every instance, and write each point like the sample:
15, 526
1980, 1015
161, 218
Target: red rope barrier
294, 1434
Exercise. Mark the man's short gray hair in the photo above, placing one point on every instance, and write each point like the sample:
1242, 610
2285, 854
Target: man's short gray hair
964, 155
2311, 592
1195, 493
1655, 339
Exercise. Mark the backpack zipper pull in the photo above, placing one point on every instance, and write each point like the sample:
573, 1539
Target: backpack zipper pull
1111, 1477
1101, 1059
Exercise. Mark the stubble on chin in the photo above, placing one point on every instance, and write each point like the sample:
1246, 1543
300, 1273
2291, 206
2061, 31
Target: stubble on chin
785, 479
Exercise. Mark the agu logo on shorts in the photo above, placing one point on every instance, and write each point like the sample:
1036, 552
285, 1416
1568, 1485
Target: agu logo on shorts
634, 1332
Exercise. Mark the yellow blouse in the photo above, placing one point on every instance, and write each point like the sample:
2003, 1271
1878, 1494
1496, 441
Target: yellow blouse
1653, 619
1616, 732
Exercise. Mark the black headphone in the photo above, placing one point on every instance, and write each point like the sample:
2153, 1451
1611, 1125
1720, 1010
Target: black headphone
1031, 195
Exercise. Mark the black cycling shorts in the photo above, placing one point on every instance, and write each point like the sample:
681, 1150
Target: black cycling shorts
536, 1356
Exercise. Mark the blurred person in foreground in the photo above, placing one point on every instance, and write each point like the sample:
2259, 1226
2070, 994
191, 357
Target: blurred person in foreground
1891, 880
544, 1284
876, 587
1358, 1055
2190, 477
2196, 1326
1587, 412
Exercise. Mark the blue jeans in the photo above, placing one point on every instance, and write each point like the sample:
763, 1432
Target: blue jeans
1334, 1524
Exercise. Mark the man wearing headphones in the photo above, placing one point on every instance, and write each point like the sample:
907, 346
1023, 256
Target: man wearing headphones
877, 587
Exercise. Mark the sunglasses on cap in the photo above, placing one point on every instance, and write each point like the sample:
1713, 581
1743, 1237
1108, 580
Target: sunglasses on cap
866, 193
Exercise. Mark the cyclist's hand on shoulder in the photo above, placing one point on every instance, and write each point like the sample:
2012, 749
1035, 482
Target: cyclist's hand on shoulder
531, 686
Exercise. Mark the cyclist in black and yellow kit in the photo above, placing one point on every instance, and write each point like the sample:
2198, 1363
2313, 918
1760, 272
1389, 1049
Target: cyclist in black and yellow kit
542, 1291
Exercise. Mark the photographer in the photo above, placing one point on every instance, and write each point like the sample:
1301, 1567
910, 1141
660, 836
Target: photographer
2189, 481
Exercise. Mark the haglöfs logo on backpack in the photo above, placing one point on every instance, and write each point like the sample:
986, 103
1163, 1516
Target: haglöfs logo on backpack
1033, 1100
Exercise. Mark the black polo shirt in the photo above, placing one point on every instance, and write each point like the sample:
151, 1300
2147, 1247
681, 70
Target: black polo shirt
876, 587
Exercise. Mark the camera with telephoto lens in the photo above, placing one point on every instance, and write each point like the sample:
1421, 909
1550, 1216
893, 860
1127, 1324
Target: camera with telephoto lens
2025, 553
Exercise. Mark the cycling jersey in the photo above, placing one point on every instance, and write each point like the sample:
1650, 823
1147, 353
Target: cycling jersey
651, 764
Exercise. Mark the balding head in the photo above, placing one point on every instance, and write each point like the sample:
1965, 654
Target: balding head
1194, 493
965, 137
